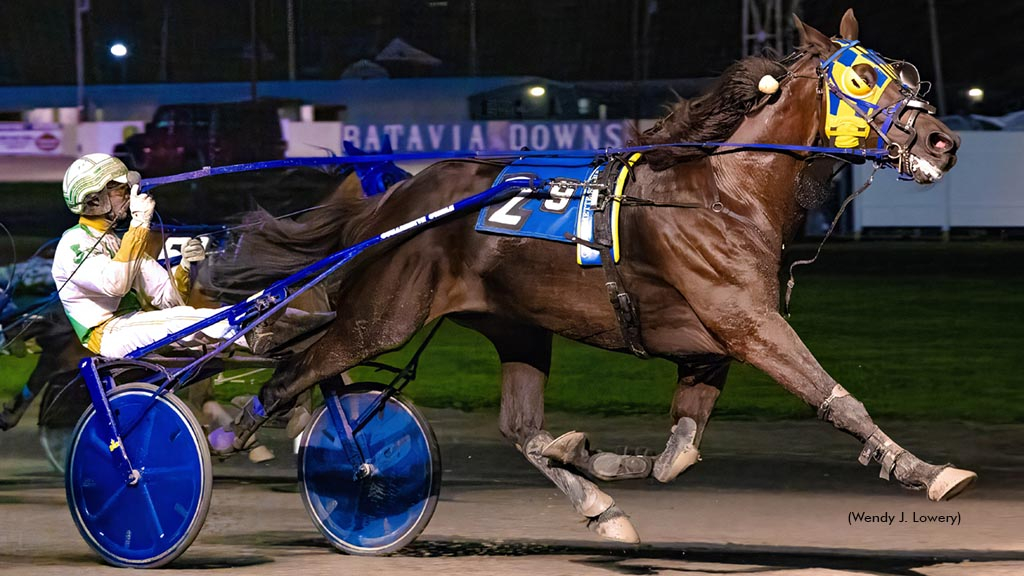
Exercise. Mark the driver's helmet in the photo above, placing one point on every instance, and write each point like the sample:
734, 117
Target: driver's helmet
89, 175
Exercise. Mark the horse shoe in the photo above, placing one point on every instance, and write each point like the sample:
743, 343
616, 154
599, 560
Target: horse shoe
949, 483
613, 524
569, 448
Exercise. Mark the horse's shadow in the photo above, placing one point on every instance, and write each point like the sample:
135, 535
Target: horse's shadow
680, 557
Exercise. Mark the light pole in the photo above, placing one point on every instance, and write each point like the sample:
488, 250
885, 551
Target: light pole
81, 6
940, 87
290, 10
254, 64
120, 52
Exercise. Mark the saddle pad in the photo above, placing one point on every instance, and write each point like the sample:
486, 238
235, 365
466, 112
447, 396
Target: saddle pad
563, 205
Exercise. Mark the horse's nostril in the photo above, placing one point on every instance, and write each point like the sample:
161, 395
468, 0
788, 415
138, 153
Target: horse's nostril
941, 143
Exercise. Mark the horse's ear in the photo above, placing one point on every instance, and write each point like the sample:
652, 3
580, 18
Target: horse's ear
810, 37
848, 28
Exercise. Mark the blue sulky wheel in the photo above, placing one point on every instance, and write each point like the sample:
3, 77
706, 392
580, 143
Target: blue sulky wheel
153, 522
377, 504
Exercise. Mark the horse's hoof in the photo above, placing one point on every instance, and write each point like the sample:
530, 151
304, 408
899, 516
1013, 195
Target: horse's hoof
613, 524
593, 501
297, 422
7, 420
679, 454
608, 466
566, 448
260, 454
950, 483
216, 413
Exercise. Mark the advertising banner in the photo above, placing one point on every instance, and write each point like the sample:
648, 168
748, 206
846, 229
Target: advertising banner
29, 142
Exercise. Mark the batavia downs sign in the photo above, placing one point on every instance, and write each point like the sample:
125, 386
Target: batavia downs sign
493, 135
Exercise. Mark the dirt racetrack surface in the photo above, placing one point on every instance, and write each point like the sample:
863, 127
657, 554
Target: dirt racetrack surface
769, 499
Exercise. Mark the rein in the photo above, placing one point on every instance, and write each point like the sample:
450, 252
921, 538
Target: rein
149, 183
842, 208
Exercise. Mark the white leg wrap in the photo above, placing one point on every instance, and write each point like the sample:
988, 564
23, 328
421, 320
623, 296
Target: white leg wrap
584, 495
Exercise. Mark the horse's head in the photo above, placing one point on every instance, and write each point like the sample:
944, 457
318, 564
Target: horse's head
872, 102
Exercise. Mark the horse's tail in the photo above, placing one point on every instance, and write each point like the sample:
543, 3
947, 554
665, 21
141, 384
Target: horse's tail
270, 248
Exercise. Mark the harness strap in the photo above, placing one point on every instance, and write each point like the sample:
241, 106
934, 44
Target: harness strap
718, 207
880, 448
622, 303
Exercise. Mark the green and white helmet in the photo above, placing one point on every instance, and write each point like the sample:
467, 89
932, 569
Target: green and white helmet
90, 175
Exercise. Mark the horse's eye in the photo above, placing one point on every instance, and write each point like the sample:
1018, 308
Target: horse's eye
860, 80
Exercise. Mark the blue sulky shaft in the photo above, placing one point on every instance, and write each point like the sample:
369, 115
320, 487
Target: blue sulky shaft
262, 305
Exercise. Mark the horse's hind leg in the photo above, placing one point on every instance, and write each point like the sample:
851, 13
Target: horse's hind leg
370, 321
525, 354
699, 387
60, 353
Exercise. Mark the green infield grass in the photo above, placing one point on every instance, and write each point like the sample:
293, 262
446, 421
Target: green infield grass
917, 331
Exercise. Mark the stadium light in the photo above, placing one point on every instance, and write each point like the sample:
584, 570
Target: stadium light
976, 94
118, 50
536, 91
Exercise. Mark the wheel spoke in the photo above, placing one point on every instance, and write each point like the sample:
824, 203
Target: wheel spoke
152, 511
346, 509
95, 441
109, 503
145, 439
164, 473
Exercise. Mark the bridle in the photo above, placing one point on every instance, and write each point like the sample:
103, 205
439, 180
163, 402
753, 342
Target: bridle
852, 103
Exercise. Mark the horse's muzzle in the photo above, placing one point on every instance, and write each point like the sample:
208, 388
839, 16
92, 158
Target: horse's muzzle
934, 152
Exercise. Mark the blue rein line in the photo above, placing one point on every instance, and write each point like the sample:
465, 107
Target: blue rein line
149, 183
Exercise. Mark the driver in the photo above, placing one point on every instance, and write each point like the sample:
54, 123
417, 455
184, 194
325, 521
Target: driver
117, 297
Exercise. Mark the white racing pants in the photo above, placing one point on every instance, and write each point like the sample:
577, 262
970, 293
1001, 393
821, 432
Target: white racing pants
130, 332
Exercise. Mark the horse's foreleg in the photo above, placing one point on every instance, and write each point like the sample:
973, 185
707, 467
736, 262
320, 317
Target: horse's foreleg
771, 345
695, 397
525, 362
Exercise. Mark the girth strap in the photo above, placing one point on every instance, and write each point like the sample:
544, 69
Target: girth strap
622, 303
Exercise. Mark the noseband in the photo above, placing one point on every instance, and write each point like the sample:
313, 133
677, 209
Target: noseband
856, 78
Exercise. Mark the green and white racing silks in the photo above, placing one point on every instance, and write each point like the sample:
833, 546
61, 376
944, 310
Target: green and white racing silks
101, 277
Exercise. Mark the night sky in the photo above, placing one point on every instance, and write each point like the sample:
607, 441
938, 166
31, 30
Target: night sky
567, 40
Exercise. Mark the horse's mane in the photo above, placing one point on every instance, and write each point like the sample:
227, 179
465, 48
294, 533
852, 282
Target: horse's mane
711, 117
273, 248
